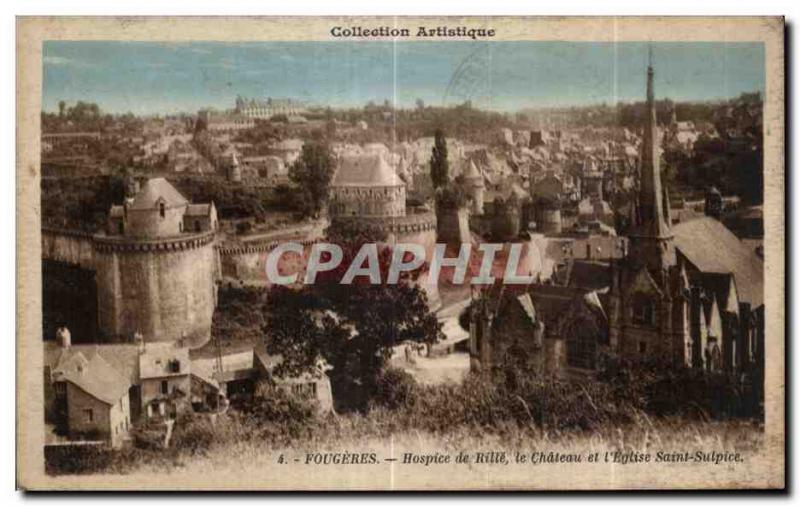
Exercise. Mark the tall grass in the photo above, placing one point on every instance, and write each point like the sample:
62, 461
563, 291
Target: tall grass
627, 409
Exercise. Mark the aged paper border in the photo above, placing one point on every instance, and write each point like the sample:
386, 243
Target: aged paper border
765, 471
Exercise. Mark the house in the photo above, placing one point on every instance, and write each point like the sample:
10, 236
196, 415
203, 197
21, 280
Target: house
164, 379
314, 385
90, 397
242, 370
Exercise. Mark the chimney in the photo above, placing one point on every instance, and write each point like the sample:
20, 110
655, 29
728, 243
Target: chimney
138, 340
63, 337
179, 343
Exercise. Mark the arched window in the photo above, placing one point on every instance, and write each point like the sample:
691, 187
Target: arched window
162, 209
643, 310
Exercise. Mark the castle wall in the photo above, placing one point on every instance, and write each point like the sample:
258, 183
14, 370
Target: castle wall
161, 289
453, 225
74, 248
383, 201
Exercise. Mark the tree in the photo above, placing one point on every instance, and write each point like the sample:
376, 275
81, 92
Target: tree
439, 165
312, 173
62, 108
353, 327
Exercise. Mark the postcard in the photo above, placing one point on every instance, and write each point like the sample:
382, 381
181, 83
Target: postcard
398, 253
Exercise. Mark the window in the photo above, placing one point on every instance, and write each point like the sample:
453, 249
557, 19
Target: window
644, 310
162, 210
121, 228
642, 347
304, 390
165, 387
88, 415
197, 225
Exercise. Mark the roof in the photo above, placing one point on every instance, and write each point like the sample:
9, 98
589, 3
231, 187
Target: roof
527, 305
124, 358
155, 361
198, 210
711, 247
155, 189
589, 274
365, 170
472, 172
93, 375
288, 145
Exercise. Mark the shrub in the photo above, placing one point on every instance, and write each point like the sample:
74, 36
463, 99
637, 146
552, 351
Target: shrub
194, 434
395, 388
277, 414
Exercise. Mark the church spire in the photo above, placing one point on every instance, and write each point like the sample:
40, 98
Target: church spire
651, 230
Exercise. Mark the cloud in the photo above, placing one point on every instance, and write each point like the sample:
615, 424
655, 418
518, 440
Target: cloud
60, 61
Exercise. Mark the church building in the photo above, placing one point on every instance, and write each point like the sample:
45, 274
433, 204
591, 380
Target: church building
690, 294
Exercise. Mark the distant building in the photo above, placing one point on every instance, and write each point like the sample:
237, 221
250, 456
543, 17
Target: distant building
225, 122
266, 109
475, 187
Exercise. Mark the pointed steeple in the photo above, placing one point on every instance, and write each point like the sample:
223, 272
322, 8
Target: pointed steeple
651, 237
651, 195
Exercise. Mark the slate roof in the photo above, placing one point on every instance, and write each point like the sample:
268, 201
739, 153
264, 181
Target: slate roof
155, 361
155, 189
365, 170
711, 247
589, 275
124, 358
198, 210
93, 375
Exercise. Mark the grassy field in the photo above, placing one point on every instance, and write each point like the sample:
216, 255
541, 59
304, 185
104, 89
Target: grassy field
231, 451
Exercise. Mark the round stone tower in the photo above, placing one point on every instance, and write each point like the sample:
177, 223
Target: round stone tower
234, 170
475, 187
156, 267
367, 191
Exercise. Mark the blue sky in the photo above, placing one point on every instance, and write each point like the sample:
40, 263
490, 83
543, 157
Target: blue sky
148, 77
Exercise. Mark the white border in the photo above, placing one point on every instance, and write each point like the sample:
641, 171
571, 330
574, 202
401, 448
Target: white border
243, 7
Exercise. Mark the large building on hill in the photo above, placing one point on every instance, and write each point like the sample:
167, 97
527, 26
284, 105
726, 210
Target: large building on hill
266, 109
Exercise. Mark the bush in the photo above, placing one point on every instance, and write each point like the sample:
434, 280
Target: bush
277, 414
194, 434
77, 459
395, 388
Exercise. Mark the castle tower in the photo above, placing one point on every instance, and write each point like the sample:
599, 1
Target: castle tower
235, 170
156, 267
651, 239
476, 187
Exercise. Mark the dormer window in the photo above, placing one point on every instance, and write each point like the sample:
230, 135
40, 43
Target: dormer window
162, 209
